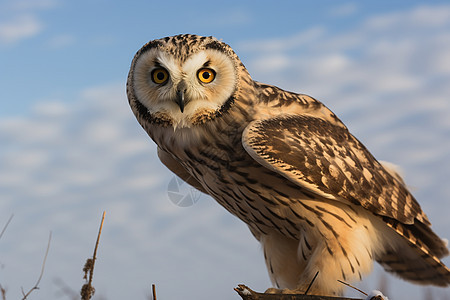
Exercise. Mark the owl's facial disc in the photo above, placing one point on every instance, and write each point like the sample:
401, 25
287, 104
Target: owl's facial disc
184, 91
204, 75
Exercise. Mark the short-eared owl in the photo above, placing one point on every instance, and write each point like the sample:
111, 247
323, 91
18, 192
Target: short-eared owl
310, 192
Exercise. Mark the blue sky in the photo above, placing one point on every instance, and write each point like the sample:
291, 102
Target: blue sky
59, 47
71, 148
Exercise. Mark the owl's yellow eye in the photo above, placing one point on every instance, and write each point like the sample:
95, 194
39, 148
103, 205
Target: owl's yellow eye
160, 75
206, 75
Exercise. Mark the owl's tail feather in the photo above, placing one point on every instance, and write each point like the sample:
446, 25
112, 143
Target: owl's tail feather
417, 259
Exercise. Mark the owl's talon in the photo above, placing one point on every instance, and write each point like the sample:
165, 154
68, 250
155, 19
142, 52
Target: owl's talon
281, 291
272, 291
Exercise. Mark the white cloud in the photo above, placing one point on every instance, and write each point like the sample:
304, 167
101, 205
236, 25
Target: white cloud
51, 109
271, 62
20, 19
303, 38
374, 58
422, 17
19, 27
61, 41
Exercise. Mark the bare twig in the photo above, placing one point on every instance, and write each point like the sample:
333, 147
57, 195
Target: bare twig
3, 291
154, 291
353, 287
311, 283
6, 226
87, 290
36, 286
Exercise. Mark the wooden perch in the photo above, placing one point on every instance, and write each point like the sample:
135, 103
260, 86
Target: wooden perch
248, 294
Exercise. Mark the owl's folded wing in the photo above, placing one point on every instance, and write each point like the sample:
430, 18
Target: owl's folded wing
327, 160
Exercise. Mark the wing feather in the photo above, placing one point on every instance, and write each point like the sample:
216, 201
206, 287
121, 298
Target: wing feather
327, 160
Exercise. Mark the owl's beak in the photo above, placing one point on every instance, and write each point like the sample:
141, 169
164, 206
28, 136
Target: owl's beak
180, 100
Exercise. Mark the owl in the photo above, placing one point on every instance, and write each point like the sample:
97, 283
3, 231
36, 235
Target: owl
310, 192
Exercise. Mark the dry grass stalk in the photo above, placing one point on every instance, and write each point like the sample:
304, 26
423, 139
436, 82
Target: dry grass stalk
6, 225
154, 291
87, 290
353, 287
3, 291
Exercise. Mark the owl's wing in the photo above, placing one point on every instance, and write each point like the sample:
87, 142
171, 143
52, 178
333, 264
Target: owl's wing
178, 169
327, 160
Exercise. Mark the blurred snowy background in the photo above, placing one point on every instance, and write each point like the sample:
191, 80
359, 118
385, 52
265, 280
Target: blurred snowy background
70, 147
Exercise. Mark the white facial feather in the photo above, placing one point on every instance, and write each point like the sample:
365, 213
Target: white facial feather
200, 97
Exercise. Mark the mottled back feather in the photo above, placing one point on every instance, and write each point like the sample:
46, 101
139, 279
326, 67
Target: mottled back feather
329, 161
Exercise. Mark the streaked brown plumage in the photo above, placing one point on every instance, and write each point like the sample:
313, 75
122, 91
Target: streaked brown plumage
309, 191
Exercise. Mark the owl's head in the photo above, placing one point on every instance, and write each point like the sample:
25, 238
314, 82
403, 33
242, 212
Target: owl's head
183, 80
